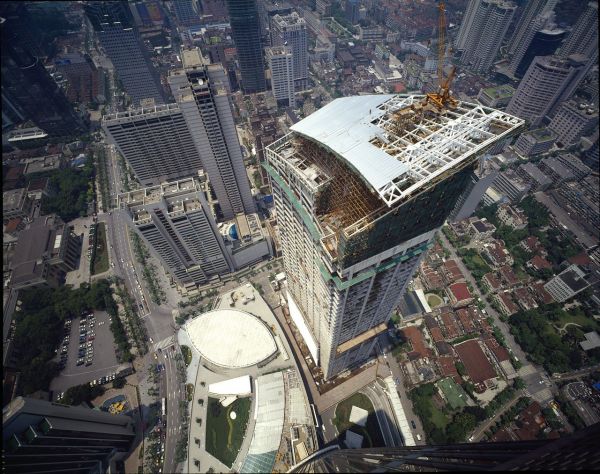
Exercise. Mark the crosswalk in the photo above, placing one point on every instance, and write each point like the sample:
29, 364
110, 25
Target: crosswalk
166, 342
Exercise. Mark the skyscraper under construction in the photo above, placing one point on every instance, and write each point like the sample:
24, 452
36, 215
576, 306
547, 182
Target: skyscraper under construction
361, 186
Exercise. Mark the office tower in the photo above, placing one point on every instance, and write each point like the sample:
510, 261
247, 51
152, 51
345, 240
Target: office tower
118, 36
358, 199
490, 22
281, 64
30, 91
245, 29
291, 31
548, 81
352, 11
155, 141
44, 253
575, 451
40, 436
543, 42
526, 27
466, 25
583, 38
479, 183
200, 89
187, 12
572, 121
177, 223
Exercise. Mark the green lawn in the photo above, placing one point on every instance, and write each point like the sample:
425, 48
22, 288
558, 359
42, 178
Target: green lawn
224, 436
438, 418
100, 263
371, 433
578, 318
454, 394
434, 300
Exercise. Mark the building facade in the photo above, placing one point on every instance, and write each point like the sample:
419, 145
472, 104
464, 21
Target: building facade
155, 141
548, 81
490, 22
187, 12
40, 436
352, 236
290, 30
201, 91
178, 225
572, 121
281, 64
118, 36
245, 29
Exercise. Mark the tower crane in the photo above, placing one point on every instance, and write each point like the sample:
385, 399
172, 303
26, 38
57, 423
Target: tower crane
442, 97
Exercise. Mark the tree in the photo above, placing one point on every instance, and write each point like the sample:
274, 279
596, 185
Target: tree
119, 382
519, 383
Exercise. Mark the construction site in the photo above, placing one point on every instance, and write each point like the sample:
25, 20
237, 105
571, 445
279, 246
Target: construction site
370, 163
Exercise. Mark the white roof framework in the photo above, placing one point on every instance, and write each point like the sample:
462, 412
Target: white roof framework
396, 162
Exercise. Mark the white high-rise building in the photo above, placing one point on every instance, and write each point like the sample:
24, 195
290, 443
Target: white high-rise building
548, 81
466, 25
484, 37
201, 91
290, 30
583, 38
281, 64
359, 198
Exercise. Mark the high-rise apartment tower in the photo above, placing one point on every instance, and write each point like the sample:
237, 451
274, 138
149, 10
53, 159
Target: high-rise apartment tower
114, 26
548, 81
359, 197
281, 65
245, 29
201, 90
290, 30
490, 21
525, 28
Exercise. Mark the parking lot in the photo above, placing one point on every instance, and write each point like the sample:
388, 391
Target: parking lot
102, 362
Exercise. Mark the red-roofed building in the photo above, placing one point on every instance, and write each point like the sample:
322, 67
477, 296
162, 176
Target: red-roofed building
448, 368
452, 273
459, 294
524, 299
399, 88
506, 304
417, 341
449, 328
491, 281
531, 422
499, 352
431, 278
14, 226
509, 277
580, 259
540, 293
532, 244
477, 365
539, 263
466, 317
497, 254
436, 334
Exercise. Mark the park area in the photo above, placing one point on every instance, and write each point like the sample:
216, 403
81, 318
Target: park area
434, 300
225, 428
100, 256
371, 432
